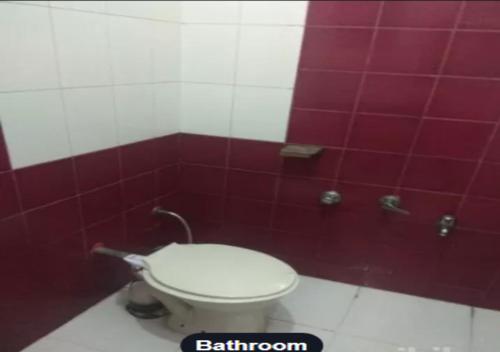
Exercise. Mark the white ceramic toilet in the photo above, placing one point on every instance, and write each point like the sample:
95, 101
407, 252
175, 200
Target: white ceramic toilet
217, 288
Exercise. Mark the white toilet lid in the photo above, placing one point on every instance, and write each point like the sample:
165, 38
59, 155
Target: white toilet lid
219, 271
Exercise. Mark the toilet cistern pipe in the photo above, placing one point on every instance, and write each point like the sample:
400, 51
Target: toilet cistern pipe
135, 260
161, 211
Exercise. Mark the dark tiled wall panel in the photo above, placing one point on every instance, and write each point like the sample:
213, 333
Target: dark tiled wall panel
50, 216
404, 97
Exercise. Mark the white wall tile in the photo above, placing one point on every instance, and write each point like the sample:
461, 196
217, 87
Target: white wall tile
27, 59
91, 119
268, 56
206, 109
134, 112
261, 113
274, 12
131, 50
97, 6
166, 52
208, 53
166, 108
34, 126
82, 48
159, 10
210, 11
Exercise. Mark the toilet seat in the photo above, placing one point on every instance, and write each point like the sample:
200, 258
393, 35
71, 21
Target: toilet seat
214, 272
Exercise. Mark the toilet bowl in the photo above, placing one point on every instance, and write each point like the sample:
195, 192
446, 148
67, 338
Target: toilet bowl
216, 288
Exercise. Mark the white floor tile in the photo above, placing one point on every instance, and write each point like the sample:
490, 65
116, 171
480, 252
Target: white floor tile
317, 303
107, 327
408, 321
485, 331
346, 343
283, 326
47, 344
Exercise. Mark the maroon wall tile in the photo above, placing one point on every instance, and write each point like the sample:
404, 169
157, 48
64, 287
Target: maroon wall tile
470, 99
202, 207
4, 154
13, 235
404, 95
326, 90
438, 174
97, 169
46, 183
318, 127
324, 165
453, 139
139, 189
101, 204
54, 222
251, 185
474, 54
301, 191
493, 153
110, 232
398, 50
197, 149
248, 212
139, 157
481, 15
486, 181
383, 133
166, 180
201, 179
435, 14
374, 168
300, 220
480, 214
9, 204
255, 155
167, 150
352, 13
427, 207
321, 48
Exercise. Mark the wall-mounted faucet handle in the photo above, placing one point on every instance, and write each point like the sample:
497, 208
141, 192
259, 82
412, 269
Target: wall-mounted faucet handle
445, 224
330, 198
391, 203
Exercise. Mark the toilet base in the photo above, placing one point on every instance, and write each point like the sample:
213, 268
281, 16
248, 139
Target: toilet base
203, 320
190, 317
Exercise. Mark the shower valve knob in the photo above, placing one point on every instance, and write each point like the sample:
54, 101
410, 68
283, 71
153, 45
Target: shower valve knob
330, 198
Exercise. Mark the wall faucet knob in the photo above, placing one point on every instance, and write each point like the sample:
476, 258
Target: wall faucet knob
391, 203
330, 198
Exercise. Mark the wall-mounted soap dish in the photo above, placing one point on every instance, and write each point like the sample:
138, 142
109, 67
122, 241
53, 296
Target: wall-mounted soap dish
300, 151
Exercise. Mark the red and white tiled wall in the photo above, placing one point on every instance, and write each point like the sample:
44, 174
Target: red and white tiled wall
404, 98
114, 107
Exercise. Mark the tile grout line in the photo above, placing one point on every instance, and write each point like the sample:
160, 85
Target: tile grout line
427, 105
233, 86
359, 93
75, 183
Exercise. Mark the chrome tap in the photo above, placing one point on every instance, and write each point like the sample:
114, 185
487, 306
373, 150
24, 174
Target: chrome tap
330, 198
445, 224
391, 203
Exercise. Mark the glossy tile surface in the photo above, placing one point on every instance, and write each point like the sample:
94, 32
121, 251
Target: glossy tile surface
346, 318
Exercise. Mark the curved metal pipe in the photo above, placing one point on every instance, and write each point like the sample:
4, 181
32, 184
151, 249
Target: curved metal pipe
161, 211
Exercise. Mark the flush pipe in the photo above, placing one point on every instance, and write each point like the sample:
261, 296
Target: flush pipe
161, 211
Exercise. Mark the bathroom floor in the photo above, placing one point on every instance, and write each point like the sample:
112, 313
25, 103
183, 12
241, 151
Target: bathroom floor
347, 318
